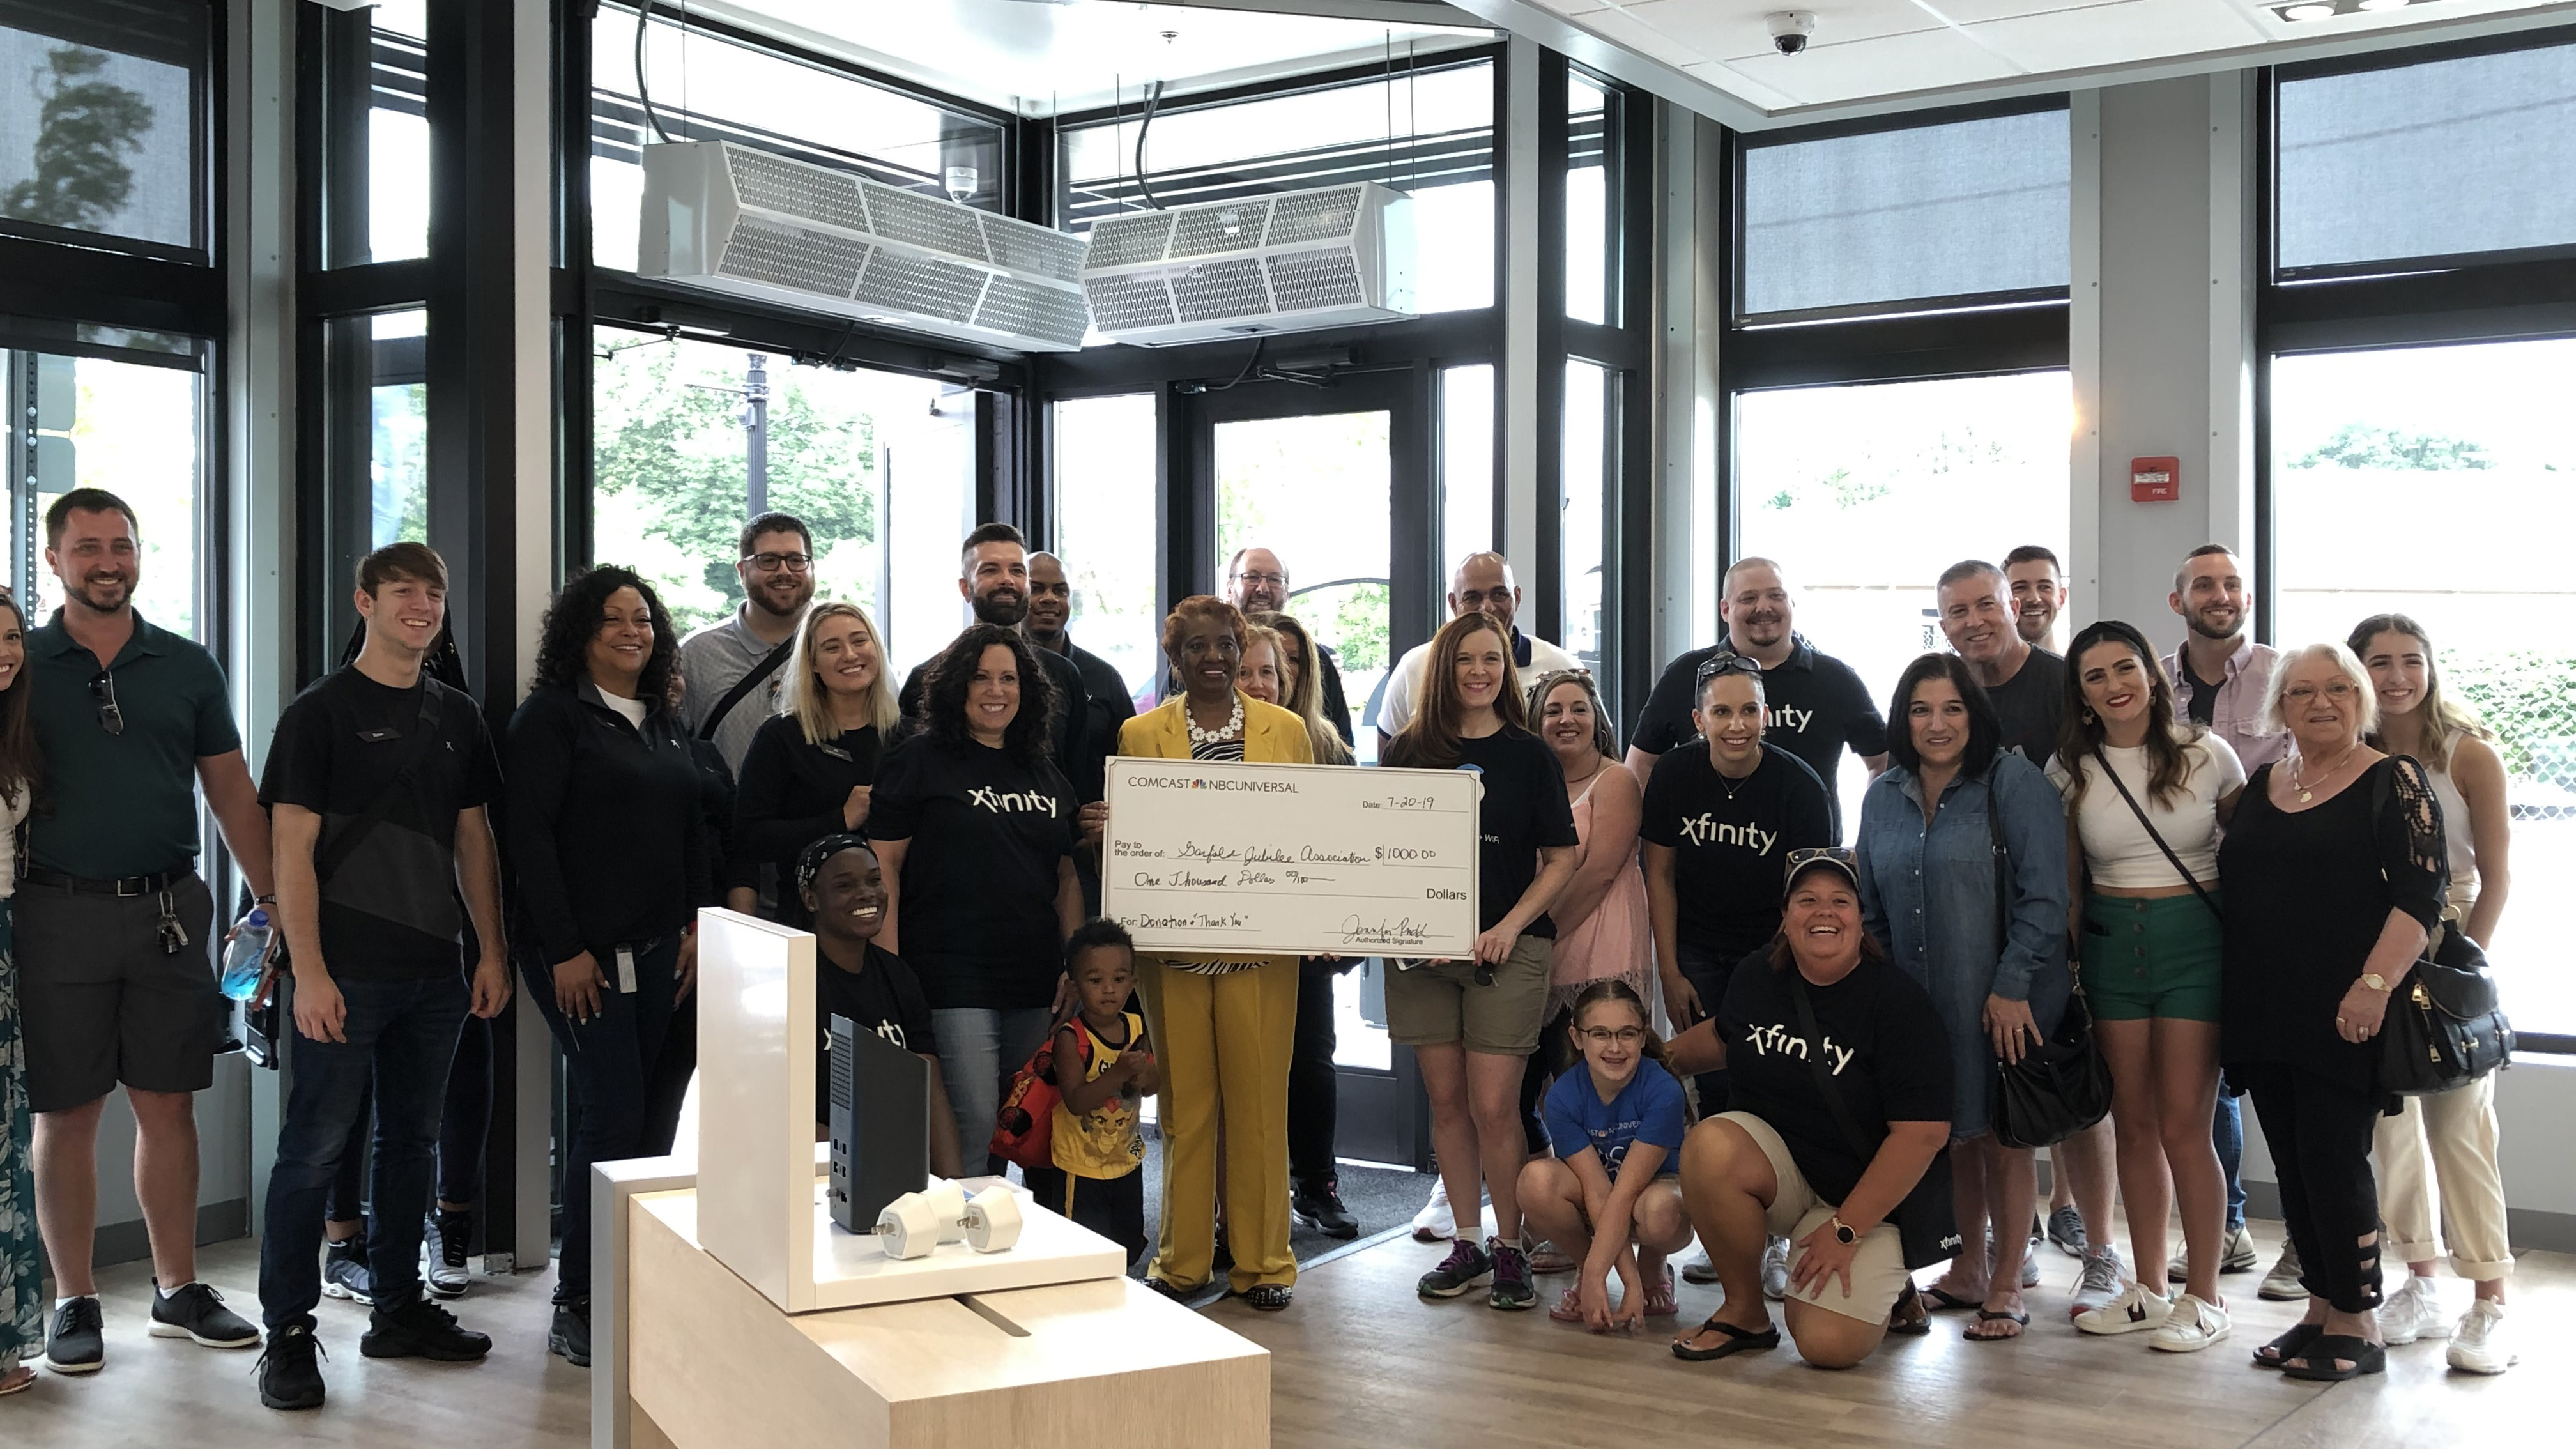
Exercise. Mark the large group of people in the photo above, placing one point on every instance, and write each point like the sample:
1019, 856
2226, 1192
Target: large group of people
1691, 1010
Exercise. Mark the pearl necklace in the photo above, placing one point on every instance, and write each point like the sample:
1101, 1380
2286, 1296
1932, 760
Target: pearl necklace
1233, 726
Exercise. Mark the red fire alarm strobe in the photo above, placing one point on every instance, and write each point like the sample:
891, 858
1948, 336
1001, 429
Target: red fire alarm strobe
2155, 480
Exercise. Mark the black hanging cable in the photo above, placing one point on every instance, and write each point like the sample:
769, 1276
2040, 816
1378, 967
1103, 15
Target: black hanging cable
643, 23
1144, 187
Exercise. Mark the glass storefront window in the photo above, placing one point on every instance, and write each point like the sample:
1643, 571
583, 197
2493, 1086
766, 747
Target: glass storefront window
135, 429
101, 122
1105, 507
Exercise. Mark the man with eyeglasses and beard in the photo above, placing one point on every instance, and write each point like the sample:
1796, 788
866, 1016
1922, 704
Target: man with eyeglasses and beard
114, 925
993, 574
732, 671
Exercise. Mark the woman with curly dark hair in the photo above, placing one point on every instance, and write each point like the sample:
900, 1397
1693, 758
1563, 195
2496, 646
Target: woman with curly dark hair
608, 841
975, 828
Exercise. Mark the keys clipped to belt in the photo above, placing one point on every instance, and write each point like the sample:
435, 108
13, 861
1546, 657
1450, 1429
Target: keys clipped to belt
174, 937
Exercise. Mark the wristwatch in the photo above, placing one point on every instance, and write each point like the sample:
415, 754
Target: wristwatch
1842, 1230
2374, 981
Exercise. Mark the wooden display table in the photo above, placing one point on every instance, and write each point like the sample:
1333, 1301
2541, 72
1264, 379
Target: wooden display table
712, 1363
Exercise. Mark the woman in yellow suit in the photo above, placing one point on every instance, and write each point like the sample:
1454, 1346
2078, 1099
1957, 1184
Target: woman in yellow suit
1223, 1025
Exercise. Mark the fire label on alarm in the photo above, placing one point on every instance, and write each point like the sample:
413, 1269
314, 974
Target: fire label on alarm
2155, 480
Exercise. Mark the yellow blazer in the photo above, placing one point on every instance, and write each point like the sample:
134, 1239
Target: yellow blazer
1271, 736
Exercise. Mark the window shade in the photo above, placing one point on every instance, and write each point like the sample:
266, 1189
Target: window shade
1968, 208
99, 119
2443, 159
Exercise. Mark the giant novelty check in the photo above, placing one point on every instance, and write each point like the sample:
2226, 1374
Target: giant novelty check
1314, 860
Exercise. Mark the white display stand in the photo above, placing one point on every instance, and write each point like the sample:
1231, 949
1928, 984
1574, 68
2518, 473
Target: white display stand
761, 1211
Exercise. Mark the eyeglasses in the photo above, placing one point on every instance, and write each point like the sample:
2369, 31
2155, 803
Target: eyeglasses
2336, 693
770, 563
1602, 1036
1275, 581
102, 687
1716, 665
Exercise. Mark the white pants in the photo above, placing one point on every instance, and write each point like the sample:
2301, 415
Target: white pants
2450, 1139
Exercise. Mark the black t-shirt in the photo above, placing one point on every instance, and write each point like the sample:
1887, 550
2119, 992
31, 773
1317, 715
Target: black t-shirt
886, 998
2032, 704
1731, 841
1814, 706
2199, 696
1882, 1042
390, 910
792, 795
986, 833
1523, 810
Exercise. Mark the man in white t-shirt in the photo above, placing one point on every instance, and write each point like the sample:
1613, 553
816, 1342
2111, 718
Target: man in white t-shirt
1483, 581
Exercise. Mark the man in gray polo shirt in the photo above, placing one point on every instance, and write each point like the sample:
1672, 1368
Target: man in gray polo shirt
776, 564
114, 924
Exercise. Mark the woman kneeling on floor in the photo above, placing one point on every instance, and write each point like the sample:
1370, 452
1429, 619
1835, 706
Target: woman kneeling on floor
1609, 1199
1824, 1042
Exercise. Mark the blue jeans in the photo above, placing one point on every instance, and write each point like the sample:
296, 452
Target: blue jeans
403, 1035
2227, 1133
609, 1063
979, 1049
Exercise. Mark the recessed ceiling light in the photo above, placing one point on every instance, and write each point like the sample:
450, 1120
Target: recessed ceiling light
2308, 12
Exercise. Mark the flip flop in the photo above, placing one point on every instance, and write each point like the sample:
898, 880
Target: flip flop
1915, 1326
1659, 1299
1738, 1340
2317, 1363
1943, 1299
18, 1380
2288, 1345
1987, 1315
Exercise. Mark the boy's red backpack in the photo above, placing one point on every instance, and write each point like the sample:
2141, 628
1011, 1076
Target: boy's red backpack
1024, 1129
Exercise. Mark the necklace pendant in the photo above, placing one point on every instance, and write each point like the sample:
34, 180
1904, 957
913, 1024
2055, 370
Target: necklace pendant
2307, 795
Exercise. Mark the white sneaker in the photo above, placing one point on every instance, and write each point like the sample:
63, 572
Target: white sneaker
1775, 1270
2282, 1284
1701, 1270
1436, 1223
2413, 1312
2098, 1282
2239, 1257
2480, 1345
2138, 1308
2192, 1326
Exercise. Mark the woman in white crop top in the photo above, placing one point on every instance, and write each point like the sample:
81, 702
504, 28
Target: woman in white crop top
2149, 941
2451, 1138
22, 1306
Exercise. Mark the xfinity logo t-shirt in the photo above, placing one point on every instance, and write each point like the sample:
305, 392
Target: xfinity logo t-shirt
985, 833
1731, 841
1878, 1039
1815, 708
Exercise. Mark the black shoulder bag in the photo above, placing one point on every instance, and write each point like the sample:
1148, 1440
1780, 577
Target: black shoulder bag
758, 676
2445, 1027
2060, 1086
1927, 1221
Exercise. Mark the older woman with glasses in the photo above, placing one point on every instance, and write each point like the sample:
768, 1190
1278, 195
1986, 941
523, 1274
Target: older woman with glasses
2335, 868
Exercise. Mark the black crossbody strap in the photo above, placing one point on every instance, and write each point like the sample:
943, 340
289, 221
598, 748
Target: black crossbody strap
2153, 834
758, 676
417, 748
1826, 1087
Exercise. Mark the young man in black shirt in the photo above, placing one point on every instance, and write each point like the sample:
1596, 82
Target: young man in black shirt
1047, 626
377, 782
844, 891
1817, 705
994, 576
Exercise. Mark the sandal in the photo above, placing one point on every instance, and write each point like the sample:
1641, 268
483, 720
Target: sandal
18, 1380
2281, 1350
1942, 1298
1546, 1259
1268, 1297
1569, 1306
1659, 1299
1910, 1315
2318, 1363
2019, 1321
1738, 1340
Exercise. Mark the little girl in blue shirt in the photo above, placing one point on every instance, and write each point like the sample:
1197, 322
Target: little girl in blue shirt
1610, 1198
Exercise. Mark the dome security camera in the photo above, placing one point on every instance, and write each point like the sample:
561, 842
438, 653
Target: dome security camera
1790, 29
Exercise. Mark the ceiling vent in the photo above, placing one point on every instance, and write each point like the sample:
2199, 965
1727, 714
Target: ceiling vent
731, 219
1332, 257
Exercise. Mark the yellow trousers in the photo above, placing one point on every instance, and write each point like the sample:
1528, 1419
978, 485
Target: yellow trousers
1223, 1044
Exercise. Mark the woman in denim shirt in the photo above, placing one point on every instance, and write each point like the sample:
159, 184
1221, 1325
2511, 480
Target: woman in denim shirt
1927, 882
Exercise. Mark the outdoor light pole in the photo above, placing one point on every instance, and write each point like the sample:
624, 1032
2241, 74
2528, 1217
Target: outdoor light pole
755, 425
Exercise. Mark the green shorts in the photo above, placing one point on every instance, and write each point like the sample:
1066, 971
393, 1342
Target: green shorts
2151, 958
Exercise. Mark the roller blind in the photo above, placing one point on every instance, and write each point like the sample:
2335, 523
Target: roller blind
2448, 158
1906, 217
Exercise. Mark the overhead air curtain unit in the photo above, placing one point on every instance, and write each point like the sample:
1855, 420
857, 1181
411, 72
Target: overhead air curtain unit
1331, 257
731, 219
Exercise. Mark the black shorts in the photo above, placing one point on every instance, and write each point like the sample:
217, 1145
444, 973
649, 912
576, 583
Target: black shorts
101, 1001
1113, 1207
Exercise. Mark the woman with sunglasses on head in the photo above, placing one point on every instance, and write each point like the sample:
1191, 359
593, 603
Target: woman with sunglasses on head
607, 837
1963, 874
1825, 1042
2146, 795
2450, 1138
1473, 1023
22, 1268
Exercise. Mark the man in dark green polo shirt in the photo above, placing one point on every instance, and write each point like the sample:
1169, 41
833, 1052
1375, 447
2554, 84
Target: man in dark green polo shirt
114, 925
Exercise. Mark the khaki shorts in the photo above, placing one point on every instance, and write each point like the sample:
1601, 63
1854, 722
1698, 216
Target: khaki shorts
1877, 1271
1434, 1003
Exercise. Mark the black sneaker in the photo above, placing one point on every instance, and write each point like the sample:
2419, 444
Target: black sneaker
197, 1311
2066, 1230
570, 1335
442, 1253
78, 1344
288, 1376
345, 1274
1512, 1288
422, 1329
1466, 1266
1319, 1205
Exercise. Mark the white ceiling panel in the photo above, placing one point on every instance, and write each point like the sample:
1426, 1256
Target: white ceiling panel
1621, 28
1889, 65
1722, 29
2112, 35
1736, 83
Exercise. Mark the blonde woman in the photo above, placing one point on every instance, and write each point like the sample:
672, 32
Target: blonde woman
1301, 685
2448, 1140
809, 770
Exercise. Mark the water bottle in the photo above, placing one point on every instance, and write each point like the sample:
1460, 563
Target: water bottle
242, 959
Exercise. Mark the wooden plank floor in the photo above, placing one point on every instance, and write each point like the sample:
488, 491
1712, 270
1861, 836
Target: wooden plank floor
1360, 1361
